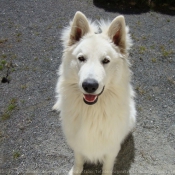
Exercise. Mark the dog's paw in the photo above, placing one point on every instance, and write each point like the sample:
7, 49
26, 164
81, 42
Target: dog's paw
56, 107
71, 172
74, 172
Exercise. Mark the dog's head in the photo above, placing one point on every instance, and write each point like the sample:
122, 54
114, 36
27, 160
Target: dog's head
95, 60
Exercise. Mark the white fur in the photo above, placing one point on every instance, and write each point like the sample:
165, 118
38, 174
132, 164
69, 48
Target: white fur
95, 132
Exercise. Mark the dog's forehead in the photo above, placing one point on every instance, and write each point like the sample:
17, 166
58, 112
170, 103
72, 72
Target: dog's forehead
96, 40
94, 44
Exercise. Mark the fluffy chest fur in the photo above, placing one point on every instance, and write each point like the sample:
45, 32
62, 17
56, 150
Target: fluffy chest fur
97, 129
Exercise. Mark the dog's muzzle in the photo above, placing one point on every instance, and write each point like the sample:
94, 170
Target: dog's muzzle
90, 86
91, 99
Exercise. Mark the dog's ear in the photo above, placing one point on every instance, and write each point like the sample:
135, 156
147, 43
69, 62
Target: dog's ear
79, 28
117, 32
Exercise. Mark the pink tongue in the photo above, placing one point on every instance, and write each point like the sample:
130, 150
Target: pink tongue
90, 98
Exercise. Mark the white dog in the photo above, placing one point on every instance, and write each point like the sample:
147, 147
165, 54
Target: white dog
94, 94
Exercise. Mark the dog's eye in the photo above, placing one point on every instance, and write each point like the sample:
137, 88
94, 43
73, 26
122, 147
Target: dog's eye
81, 58
105, 61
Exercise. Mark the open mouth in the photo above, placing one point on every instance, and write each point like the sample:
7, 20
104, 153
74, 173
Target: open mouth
91, 99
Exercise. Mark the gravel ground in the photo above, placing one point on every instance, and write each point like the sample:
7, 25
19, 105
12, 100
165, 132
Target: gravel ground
31, 139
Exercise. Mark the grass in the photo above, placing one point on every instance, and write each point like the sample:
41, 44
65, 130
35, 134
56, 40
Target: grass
139, 109
148, 97
2, 64
154, 60
18, 37
142, 49
140, 90
22, 101
1, 67
171, 41
16, 154
4, 56
138, 23
60, 26
23, 86
11, 106
152, 46
13, 56
18, 40
49, 26
5, 116
3, 40
144, 37
170, 80
164, 52
36, 33
18, 34
1, 134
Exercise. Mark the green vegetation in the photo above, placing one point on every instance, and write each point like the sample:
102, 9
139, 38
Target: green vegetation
165, 53
24, 86
2, 64
170, 80
152, 46
171, 41
13, 56
11, 106
3, 40
18, 40
148, 97
140, 90
5, 116
36, 33
144, 37
139, 109
154, 60
142, 49
16, 154
49, 26
4, 56
18, 34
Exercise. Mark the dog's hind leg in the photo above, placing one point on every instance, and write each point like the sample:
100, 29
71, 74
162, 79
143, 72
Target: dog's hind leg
78, 165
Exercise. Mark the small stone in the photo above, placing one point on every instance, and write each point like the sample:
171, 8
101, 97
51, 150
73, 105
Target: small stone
21, 127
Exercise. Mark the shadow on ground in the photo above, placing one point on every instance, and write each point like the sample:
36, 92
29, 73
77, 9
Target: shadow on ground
135, 6
123, 163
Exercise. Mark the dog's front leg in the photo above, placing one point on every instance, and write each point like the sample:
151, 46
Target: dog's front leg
109, 161
78, 164
108, 165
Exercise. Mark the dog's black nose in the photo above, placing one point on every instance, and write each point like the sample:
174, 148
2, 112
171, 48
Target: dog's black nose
90, 85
